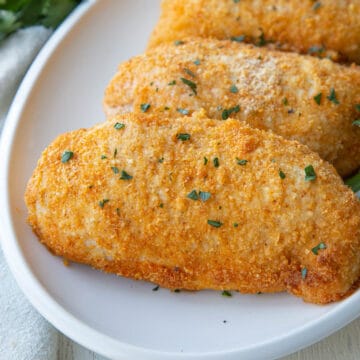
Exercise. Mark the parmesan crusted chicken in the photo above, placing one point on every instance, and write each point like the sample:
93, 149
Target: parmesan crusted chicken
194, 203
322, 28
299, 97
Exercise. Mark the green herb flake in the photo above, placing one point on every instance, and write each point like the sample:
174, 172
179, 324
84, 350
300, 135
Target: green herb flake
156, 288
197, 62
236, 225
356, 122
117, 211
103, 202
115, 169
178, 42
204, 196
115, 152
241, 162
316, 249
240, 38
172, 83
285, 101
214, 223
189, 72
216, 162
161, 160
182, 111
191, 85
234, 89
66, 156
310, 174
226, 293
261, 40
193, 195
227, 112
282, 175
103, 157
205, 160
316, 49
317, 5
332, 97
125, 175
357, 107
354, 183
161, 205
183, 136
145, 107
304, 272
317, 98
119, 126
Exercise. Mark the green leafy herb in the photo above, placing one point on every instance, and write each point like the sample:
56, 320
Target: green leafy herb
119, 126
357, 107
103, 157
193, 195
332, 96
310, 174
178, 42
205, 160
261, 40
241, 162
189, 72
216, 162
156, 288
183, 136
317, 5
282, 175
303, 272
161, 160
197, 62
316, 49
103, 202
115, 169
236, 1
204, 196
316, 249
240, 38
236, 225
191, 85
234, 89
214, 223
172, 83
285, 101
227, 112
183, 111
354, 182
115, 152
145, 107
226, 293
66, 156
317, 98
356, 122
125, 175
161, 205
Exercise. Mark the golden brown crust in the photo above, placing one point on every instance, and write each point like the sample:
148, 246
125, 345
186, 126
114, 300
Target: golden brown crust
149, 229
275, 91
331, 29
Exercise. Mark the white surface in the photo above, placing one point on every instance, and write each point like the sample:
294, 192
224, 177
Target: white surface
23, 332
118, 317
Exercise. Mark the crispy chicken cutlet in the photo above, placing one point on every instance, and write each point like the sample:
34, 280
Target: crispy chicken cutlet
194, 203
322, 28
299, 97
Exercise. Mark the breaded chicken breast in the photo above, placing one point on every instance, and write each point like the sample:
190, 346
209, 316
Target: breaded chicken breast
299, 97
194, 203
322, 28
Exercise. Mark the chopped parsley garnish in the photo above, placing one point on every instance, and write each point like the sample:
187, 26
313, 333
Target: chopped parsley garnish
191, 84
357, 107
103, 157
227, 112
156, 288
189, 72
125, 175
193, 195
354, 183
66, 156
317, 5
119, 126
310, 174
214, 223
166, 108
197, 62
316, 249
178, 42
285, 101
303, 272
161, 160
103, 202
216, 162
316, 49
161, 205
204, 196
236, 224
356, 122
183, 136
115, 152
145, 107
172, 82
205, 160
317, 98
240, 38
183, 111
261, 40
241, 161
236, 1
226, 293
332, 96
282, 175
234, 89
115, 169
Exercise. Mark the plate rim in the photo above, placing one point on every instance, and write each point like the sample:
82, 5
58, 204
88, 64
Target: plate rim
80, 332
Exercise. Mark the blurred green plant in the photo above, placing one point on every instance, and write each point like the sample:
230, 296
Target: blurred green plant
16, 14
354, 182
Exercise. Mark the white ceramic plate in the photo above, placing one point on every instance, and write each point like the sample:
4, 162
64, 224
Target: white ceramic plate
117, 317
